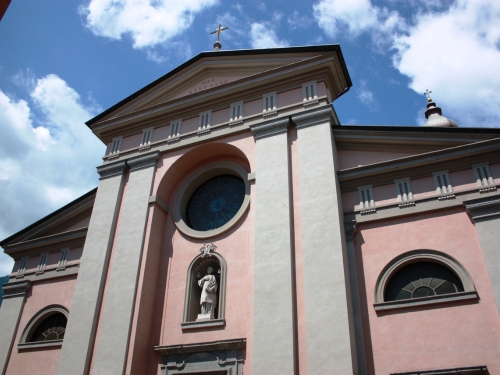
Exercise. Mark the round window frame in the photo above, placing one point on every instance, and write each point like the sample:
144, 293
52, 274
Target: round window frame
189, 186
37, 319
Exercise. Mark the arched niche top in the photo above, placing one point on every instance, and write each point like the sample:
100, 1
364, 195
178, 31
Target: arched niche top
197, 178
421, 256
198, 155
193, 291
39, 318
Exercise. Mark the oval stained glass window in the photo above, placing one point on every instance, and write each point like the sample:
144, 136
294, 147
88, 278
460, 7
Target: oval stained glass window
215, 202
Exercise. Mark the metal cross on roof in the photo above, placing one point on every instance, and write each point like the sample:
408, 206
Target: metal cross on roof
218, 31
428, 93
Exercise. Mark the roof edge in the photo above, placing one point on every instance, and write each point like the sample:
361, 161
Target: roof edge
49, 216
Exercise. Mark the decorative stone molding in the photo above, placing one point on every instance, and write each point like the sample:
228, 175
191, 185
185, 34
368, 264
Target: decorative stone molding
154, 199
423, 256
112, 169
16, 289
406, 204
203, 132
269, 114
489, 189
311, 103
270, 128
219, 357
314, 116
33, 324
483, 208
173, 140
143, 161
203, 324
350, 230
193, 182
368, 212
446, 197
235, 123
475, 370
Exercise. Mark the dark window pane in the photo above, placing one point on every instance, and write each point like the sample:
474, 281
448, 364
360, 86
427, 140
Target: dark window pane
52, 328
215, 202
418, 274
403, 294
423, 291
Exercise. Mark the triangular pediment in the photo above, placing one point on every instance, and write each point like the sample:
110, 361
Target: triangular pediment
72, 217
209, 70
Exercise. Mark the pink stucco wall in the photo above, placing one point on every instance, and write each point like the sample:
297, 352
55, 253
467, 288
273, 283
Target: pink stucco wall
434, 337
57, 291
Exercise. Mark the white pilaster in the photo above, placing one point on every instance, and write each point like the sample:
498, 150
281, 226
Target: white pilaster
86, 303
112, 343
10, 313
273, 320
329, 330
485, 213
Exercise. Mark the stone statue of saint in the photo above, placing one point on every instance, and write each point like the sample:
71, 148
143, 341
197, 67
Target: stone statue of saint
208, 299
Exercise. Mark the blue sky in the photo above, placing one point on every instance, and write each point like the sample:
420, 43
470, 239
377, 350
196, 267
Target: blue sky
63, 62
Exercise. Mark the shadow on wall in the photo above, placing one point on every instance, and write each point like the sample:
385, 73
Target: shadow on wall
3, 280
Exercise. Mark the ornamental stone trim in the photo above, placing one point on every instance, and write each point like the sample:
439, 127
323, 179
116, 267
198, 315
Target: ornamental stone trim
483, 208
270, 128
203, 324
350, 230
219, 357
112, 169
16, 289
475, 370
36, 320
143, 161
314, 116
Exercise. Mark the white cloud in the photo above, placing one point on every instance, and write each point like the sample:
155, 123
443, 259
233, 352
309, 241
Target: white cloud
262, 35
298, 21
365, 96
353, 17
452, 48
456, 55
147, 22
43, 168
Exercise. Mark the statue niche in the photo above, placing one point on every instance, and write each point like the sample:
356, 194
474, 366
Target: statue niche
205, 287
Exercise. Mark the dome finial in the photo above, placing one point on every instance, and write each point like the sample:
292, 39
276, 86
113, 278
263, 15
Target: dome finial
434, 115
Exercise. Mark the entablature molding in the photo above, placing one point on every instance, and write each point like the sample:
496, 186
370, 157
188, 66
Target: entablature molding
422, 165
271, 127
113, 169
52, 243
474, 370
481, 209
143, 161
383, 138
51, 272
314, 116
16, 289
422, 205
202, 347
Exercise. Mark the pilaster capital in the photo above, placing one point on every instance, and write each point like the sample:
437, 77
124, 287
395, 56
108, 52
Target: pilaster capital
270, 128
143, 161
350, 230
483, 208
16, 289
314, 116
112, 169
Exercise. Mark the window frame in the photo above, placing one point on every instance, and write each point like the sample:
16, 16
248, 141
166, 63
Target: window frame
426, 255
33, 324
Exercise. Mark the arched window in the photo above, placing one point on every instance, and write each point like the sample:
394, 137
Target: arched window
50, 329
46, 328
422, 277
198, 270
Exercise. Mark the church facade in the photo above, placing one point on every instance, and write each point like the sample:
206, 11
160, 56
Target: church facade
239, 228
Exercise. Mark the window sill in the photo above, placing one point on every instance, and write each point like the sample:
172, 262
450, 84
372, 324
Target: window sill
382, 306
203, 324
40, 344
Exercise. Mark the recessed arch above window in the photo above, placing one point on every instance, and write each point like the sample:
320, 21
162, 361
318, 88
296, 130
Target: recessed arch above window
212, 200
422, 277
45, 328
